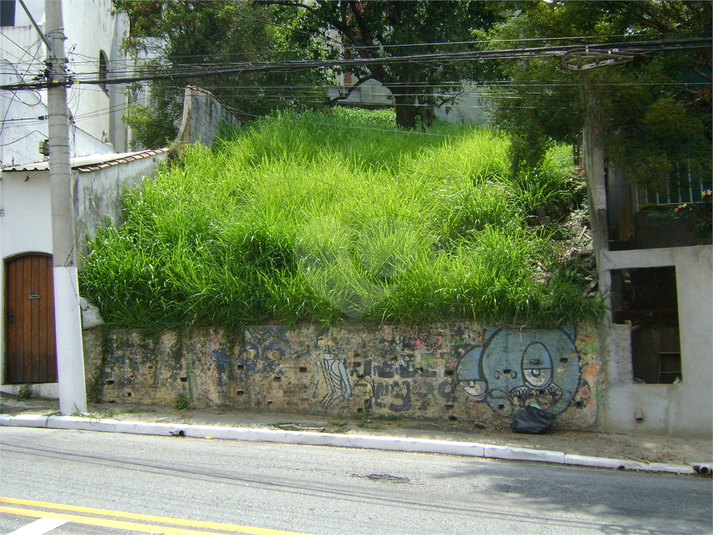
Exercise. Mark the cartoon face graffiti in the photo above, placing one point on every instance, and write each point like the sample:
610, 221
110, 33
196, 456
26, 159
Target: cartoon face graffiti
537, 365
470, 375
516, 367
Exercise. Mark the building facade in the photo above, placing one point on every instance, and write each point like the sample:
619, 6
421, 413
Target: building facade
656, 270
94, 33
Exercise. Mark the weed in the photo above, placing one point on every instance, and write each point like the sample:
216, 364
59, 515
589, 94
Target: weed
312, 216
181, 402
25, 392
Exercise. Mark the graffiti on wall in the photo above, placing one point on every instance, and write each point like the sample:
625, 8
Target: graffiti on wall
460, 370
264, 348
505, 369
223, 365
515, 368
333, 368
404, 376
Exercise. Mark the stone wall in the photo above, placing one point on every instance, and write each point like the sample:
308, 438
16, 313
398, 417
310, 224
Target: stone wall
457, 371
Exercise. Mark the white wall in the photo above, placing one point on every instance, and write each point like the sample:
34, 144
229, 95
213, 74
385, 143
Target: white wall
25, 226
97, 194
203, 116
22, 131
468, 106
90, 27
679, 409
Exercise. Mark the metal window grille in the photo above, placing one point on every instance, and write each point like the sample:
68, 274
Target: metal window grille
684, 187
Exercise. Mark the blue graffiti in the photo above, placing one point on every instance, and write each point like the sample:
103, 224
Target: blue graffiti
221, 358
515, 368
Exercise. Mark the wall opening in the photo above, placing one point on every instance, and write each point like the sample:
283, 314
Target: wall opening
7, 12
646, 300
103, 69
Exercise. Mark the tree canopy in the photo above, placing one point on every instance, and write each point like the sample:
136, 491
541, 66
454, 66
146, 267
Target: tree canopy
650, 113
190, 35
382, 29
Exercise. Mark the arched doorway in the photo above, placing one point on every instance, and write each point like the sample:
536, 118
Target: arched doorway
30, 351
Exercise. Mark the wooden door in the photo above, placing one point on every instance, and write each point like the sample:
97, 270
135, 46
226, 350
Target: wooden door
30, 354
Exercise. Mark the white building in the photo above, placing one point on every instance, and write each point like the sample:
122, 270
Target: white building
94, 34
27, 332
657, 276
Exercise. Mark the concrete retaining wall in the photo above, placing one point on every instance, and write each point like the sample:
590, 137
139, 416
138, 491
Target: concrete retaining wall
203, 117
457, 371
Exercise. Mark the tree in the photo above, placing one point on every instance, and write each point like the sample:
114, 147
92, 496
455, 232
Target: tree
190, 35
651, 113
379, 29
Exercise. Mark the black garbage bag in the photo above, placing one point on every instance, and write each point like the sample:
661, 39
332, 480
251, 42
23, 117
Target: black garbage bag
532, 420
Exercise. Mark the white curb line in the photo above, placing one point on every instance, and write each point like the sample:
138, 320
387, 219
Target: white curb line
23, 421
310, 438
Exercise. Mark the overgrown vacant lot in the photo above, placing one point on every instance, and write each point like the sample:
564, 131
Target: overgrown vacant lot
333, 216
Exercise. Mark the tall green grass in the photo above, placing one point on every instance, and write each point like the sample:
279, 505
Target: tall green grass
319, 217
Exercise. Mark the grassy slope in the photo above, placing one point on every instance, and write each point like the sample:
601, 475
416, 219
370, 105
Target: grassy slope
321, 217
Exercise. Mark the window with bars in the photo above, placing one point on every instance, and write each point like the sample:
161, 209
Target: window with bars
685, 187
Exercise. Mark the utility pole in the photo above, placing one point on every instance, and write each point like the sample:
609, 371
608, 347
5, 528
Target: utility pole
67, 314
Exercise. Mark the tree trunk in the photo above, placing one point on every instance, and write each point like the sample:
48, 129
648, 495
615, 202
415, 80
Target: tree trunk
406, 112
412, 108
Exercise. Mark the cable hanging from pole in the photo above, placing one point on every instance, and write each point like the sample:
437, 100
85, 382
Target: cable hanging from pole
619, 50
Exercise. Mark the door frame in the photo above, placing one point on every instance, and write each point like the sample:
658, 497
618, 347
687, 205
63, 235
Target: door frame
43, 367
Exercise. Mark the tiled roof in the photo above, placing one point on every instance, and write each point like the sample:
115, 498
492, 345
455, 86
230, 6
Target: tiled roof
95, 162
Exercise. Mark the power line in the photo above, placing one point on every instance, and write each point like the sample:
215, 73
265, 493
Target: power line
630, 48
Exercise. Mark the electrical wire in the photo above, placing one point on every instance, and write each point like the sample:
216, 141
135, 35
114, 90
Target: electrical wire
19, 77
208, 69
227, 55
23, 137
633, 48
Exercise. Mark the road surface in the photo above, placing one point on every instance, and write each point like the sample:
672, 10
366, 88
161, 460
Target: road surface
76, 482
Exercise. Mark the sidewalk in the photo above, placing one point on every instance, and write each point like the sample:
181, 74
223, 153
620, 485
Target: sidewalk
581, 448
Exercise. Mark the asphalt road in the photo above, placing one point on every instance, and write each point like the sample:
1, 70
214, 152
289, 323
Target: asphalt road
212, 486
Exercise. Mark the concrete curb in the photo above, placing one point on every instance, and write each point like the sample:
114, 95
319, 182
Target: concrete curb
310, 438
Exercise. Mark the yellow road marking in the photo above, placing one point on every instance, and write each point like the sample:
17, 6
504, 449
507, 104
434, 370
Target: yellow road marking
118, 524
133, 516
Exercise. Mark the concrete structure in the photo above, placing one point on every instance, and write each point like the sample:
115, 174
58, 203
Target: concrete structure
657, 340
203, 117
94, 37
457, 371
467, 106
25, 233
